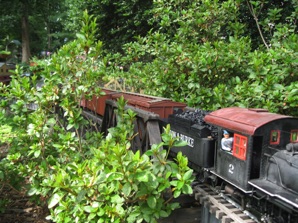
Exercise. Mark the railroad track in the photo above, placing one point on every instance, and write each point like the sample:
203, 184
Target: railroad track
220, 207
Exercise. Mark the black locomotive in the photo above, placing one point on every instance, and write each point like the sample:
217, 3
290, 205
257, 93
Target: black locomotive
259, 170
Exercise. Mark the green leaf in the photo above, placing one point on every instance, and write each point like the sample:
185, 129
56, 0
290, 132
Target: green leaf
114, 176
149, 152
293, 92
141, 176
180, 184
100, 212
117, 199
132, 217
163, 214
126, 189
151, 201
58, 146
136, 155
91, 216
37, 153
187, 175
89, 209
95, 204
278, 87
69, 126
168, 174
81, 36
166, 138
55, 199
32, 191
174, 205
186, 189
179, 143
177, 193
81, 196
174, 183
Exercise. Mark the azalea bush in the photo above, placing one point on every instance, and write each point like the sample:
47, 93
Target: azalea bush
67, 164
214, 54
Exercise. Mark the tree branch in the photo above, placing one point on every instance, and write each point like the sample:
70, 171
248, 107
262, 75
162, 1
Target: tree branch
251, 9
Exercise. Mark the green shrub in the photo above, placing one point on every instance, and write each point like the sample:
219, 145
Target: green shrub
83, 176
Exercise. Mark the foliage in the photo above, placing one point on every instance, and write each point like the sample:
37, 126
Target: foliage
120, 21
9, 49
207, 53
83, 176
204, 54
9, 175
191, 45
263, 18
48, 20
115, 185
46, 23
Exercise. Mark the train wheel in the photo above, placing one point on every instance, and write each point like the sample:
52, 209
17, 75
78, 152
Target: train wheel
203, 176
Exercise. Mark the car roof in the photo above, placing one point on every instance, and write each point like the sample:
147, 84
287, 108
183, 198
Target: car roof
243, 120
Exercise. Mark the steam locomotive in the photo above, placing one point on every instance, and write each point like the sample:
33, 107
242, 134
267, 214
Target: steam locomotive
260, 171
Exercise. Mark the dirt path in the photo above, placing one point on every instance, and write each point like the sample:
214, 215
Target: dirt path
15, 207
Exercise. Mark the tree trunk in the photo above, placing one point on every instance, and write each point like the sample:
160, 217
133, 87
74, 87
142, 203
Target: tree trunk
48, 29
25, 33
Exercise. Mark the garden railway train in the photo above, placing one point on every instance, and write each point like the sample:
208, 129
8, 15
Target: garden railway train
259, 172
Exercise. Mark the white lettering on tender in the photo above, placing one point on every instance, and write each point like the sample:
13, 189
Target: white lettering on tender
231, 168
187, 139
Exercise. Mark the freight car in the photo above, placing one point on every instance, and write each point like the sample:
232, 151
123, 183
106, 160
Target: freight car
260, 169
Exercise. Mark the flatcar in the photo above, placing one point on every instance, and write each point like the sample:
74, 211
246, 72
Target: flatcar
260, 168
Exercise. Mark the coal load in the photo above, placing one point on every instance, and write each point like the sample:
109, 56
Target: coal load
196, 116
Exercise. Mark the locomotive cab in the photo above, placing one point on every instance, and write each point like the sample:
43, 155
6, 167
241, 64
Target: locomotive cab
253, 130
237, 166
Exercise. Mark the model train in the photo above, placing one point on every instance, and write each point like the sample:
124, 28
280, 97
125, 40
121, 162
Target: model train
259, 170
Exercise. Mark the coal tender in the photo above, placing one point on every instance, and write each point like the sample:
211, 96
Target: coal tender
200, 137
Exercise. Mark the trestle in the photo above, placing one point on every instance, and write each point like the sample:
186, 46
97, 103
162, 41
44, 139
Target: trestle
147, 129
